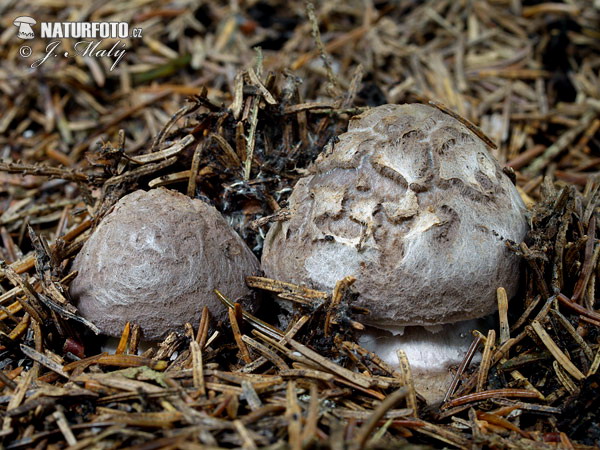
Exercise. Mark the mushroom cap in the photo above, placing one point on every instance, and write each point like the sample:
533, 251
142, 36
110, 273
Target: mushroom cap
155, 261
410, 202
24, 19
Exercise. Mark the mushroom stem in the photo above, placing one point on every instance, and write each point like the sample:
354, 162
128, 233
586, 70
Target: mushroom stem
430, 353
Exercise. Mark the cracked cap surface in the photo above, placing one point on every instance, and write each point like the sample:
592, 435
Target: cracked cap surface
410, 202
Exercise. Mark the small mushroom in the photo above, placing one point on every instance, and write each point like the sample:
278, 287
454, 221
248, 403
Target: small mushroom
155, 261
410, 202
24, 23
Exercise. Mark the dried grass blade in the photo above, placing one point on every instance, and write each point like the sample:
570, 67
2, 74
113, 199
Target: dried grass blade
266, 352
492, 393
237, 335
486, 360
558, 354
355, 378
293, 414
44, 360
197, 367
389, 403
503, 314
407, 380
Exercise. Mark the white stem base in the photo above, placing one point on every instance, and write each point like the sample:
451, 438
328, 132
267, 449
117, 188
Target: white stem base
430, 354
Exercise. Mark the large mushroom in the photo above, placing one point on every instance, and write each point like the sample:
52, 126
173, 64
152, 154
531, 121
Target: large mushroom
410, 202
155, 260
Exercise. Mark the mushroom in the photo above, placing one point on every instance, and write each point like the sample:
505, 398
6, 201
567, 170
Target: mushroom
24, 23
410, 202
155, 260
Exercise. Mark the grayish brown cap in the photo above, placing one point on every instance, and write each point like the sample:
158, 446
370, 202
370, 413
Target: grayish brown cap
155, 260
410, 202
